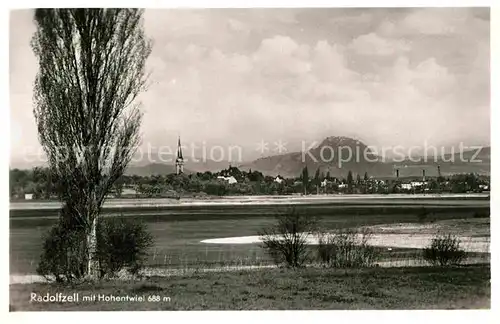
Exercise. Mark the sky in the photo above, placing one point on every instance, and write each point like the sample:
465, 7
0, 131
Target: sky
246, 76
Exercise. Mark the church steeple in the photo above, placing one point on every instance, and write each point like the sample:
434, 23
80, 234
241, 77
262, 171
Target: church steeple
179, 161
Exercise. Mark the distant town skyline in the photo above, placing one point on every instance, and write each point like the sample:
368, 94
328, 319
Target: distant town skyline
241, 76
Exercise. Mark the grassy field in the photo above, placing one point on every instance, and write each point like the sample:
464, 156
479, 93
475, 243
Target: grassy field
178, 231
312, 288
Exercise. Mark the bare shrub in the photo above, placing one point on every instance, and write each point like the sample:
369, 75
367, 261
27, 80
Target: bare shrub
347, 249
122, 244
444, 250
63, 254
286, 240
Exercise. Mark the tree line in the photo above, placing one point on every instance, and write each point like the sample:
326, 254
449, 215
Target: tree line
43, 185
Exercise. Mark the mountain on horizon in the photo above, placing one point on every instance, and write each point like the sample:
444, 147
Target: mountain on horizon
364, 160
331, 155
325, 156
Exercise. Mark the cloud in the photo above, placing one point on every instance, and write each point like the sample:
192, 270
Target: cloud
237, 26
372, 44
362, 18
431, 22
427, 77
177, 23
329, 62
239, 76
286, 83
281, 56
437, 21
432, 78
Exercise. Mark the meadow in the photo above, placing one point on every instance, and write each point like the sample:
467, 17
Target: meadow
466, 287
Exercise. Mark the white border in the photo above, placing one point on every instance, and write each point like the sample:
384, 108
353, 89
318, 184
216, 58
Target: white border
263, 316
4, 164
495, 159
250, 4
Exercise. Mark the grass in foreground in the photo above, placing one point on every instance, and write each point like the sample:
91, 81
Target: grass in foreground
374, 288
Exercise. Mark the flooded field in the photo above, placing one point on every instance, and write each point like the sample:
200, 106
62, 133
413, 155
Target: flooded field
473, 234
181, 232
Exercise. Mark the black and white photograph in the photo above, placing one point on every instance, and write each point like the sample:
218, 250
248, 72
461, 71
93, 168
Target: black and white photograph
187, 159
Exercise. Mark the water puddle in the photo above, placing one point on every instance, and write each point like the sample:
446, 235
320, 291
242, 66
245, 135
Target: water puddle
411, 241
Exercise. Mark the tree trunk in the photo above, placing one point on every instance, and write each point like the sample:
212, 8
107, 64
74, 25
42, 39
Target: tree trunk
93, 264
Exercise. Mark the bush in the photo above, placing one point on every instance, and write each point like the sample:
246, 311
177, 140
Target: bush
444, 250
286, 240
64, 254
121, 244
348, 249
